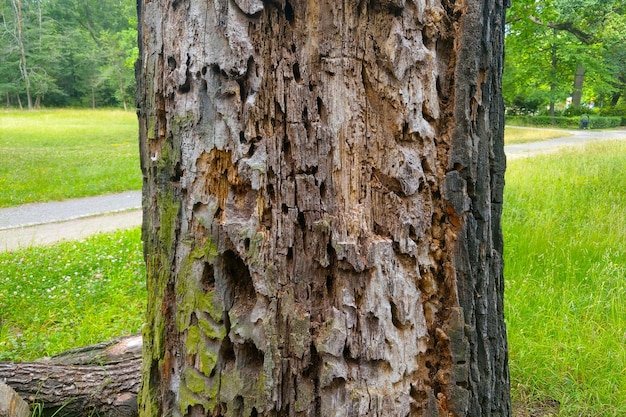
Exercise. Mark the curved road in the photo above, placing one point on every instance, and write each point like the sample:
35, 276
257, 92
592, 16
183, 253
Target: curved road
46, 223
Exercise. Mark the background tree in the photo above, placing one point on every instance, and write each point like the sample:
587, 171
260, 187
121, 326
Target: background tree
67, 53
322, 196
568, 42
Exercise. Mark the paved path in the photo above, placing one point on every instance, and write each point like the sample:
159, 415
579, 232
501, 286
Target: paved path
46, 223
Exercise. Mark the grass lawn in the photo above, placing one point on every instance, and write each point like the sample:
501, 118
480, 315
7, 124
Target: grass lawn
565, 268
72, 294
513, 135
52, 155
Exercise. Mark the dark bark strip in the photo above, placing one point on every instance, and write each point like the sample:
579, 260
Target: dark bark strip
322, 197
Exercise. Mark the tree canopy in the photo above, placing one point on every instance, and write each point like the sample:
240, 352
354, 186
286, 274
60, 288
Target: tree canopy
67, 52
556, 49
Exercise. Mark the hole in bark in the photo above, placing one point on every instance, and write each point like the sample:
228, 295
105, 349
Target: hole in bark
207, 282
458, 167
289, 12
323, 190
254, 413
218, 213
227, 351
346, 352
196, 410
329, 284
175, 4
320, 109
246, 244
301, 220
177, 174
296, 73
289, 254
412, 232
238, 286
380, 230
242, 137
286, 145
237, 405
284, 208
293, 47
186, 87
204, 70
171, 63
249, 357
267, 218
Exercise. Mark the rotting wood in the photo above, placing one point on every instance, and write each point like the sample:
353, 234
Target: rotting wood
11, 404
322, 197
102, 379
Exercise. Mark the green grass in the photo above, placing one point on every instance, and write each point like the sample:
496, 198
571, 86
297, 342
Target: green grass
513, 135
72, 294
565, 268
52, 155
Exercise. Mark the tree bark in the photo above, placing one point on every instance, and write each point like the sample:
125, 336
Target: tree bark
579, 79
102, 378
322, 198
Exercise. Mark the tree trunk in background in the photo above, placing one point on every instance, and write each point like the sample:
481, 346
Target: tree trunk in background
579, 78
322, 197
24, 68
553, 79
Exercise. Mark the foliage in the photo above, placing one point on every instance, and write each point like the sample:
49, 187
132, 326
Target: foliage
565, 266
67, 52
595, 122
547, 41
72, 294
58, 154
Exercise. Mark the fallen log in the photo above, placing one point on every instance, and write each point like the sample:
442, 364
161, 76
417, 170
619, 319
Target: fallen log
101, 379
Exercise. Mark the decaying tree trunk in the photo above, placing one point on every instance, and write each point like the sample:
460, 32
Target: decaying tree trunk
98, 380
322, 197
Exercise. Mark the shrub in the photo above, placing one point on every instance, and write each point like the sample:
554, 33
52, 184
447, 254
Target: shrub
595, 122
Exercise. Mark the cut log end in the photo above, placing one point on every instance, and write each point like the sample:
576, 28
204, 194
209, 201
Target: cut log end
102, 378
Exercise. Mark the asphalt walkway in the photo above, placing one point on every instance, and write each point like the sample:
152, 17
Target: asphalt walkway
46, 223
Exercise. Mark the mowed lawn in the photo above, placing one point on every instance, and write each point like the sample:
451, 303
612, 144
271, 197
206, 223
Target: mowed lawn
514, 134
50, 155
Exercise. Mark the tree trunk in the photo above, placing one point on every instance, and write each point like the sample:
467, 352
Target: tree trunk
102, 379
322, 197
17, 9
553, 79
579, 78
